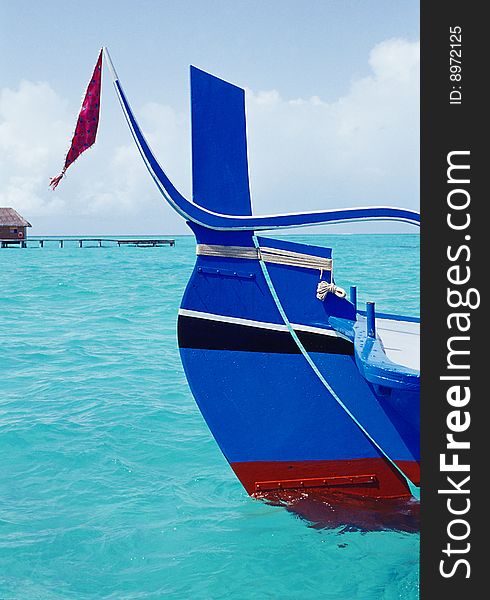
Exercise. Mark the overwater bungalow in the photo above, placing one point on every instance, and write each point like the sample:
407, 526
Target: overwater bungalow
13, 227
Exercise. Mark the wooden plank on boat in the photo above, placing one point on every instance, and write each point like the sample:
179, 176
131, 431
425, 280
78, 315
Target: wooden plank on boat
314, 482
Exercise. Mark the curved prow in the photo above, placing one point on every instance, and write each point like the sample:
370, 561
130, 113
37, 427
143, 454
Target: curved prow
244, 222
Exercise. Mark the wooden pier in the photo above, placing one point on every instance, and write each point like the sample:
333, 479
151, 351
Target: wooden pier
144, 243
40, 242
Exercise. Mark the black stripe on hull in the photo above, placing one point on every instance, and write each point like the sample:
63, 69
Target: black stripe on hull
207, 334
328, 344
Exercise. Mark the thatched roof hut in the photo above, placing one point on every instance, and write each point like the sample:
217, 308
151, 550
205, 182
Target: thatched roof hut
12, 225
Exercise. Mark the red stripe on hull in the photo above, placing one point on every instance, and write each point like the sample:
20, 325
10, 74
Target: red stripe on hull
411, 470
365, 477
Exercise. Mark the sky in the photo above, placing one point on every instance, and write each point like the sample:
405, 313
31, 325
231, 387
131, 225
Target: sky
332, 99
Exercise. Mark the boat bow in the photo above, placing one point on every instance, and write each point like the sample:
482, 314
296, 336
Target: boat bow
294, 393
225, 222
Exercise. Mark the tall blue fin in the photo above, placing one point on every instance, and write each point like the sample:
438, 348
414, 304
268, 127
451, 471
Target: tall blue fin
219, 145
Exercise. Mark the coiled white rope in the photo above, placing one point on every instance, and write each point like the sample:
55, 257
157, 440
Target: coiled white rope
324, 288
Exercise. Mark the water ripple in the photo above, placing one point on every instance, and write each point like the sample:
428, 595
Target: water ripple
110, 483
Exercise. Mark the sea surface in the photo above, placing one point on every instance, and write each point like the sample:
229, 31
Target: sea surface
111, 485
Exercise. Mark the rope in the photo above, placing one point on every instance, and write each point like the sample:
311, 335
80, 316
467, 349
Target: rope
324, 288
269, 255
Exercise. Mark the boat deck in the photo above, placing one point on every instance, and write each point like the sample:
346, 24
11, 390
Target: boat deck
401, 341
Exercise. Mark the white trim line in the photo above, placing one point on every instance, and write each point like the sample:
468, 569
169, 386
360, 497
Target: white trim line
319, 330
259, 324
235, 320
109, 63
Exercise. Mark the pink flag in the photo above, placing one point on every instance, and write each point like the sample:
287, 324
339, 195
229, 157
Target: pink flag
88, 121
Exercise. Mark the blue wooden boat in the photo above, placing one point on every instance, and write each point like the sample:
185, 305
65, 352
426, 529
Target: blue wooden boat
301, 389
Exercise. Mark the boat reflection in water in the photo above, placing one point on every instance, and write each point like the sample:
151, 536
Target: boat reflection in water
350, 513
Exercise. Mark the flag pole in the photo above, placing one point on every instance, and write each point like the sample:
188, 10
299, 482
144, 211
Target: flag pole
109, 63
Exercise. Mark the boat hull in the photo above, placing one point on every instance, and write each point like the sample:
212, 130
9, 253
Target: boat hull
294, 392
276, 423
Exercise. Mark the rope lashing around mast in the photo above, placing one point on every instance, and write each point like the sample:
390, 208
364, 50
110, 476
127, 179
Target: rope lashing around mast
280, 257
269, 255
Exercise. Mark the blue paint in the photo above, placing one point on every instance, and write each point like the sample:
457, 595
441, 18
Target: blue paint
296, 288
371, 359
353, 296
289, 418
346, 380
363, 400
245, 298
370, 320
295, 247
266, 409
219, 145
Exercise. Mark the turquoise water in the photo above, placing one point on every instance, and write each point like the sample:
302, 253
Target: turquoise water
110, 483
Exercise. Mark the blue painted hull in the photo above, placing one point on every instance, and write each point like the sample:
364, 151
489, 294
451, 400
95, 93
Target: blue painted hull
294, 385
261, 400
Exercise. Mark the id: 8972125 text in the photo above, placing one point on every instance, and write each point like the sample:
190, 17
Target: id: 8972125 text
455, 64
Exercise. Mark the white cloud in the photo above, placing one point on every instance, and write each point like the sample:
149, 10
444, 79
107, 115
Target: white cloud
361, 149
304, 153
31, 128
